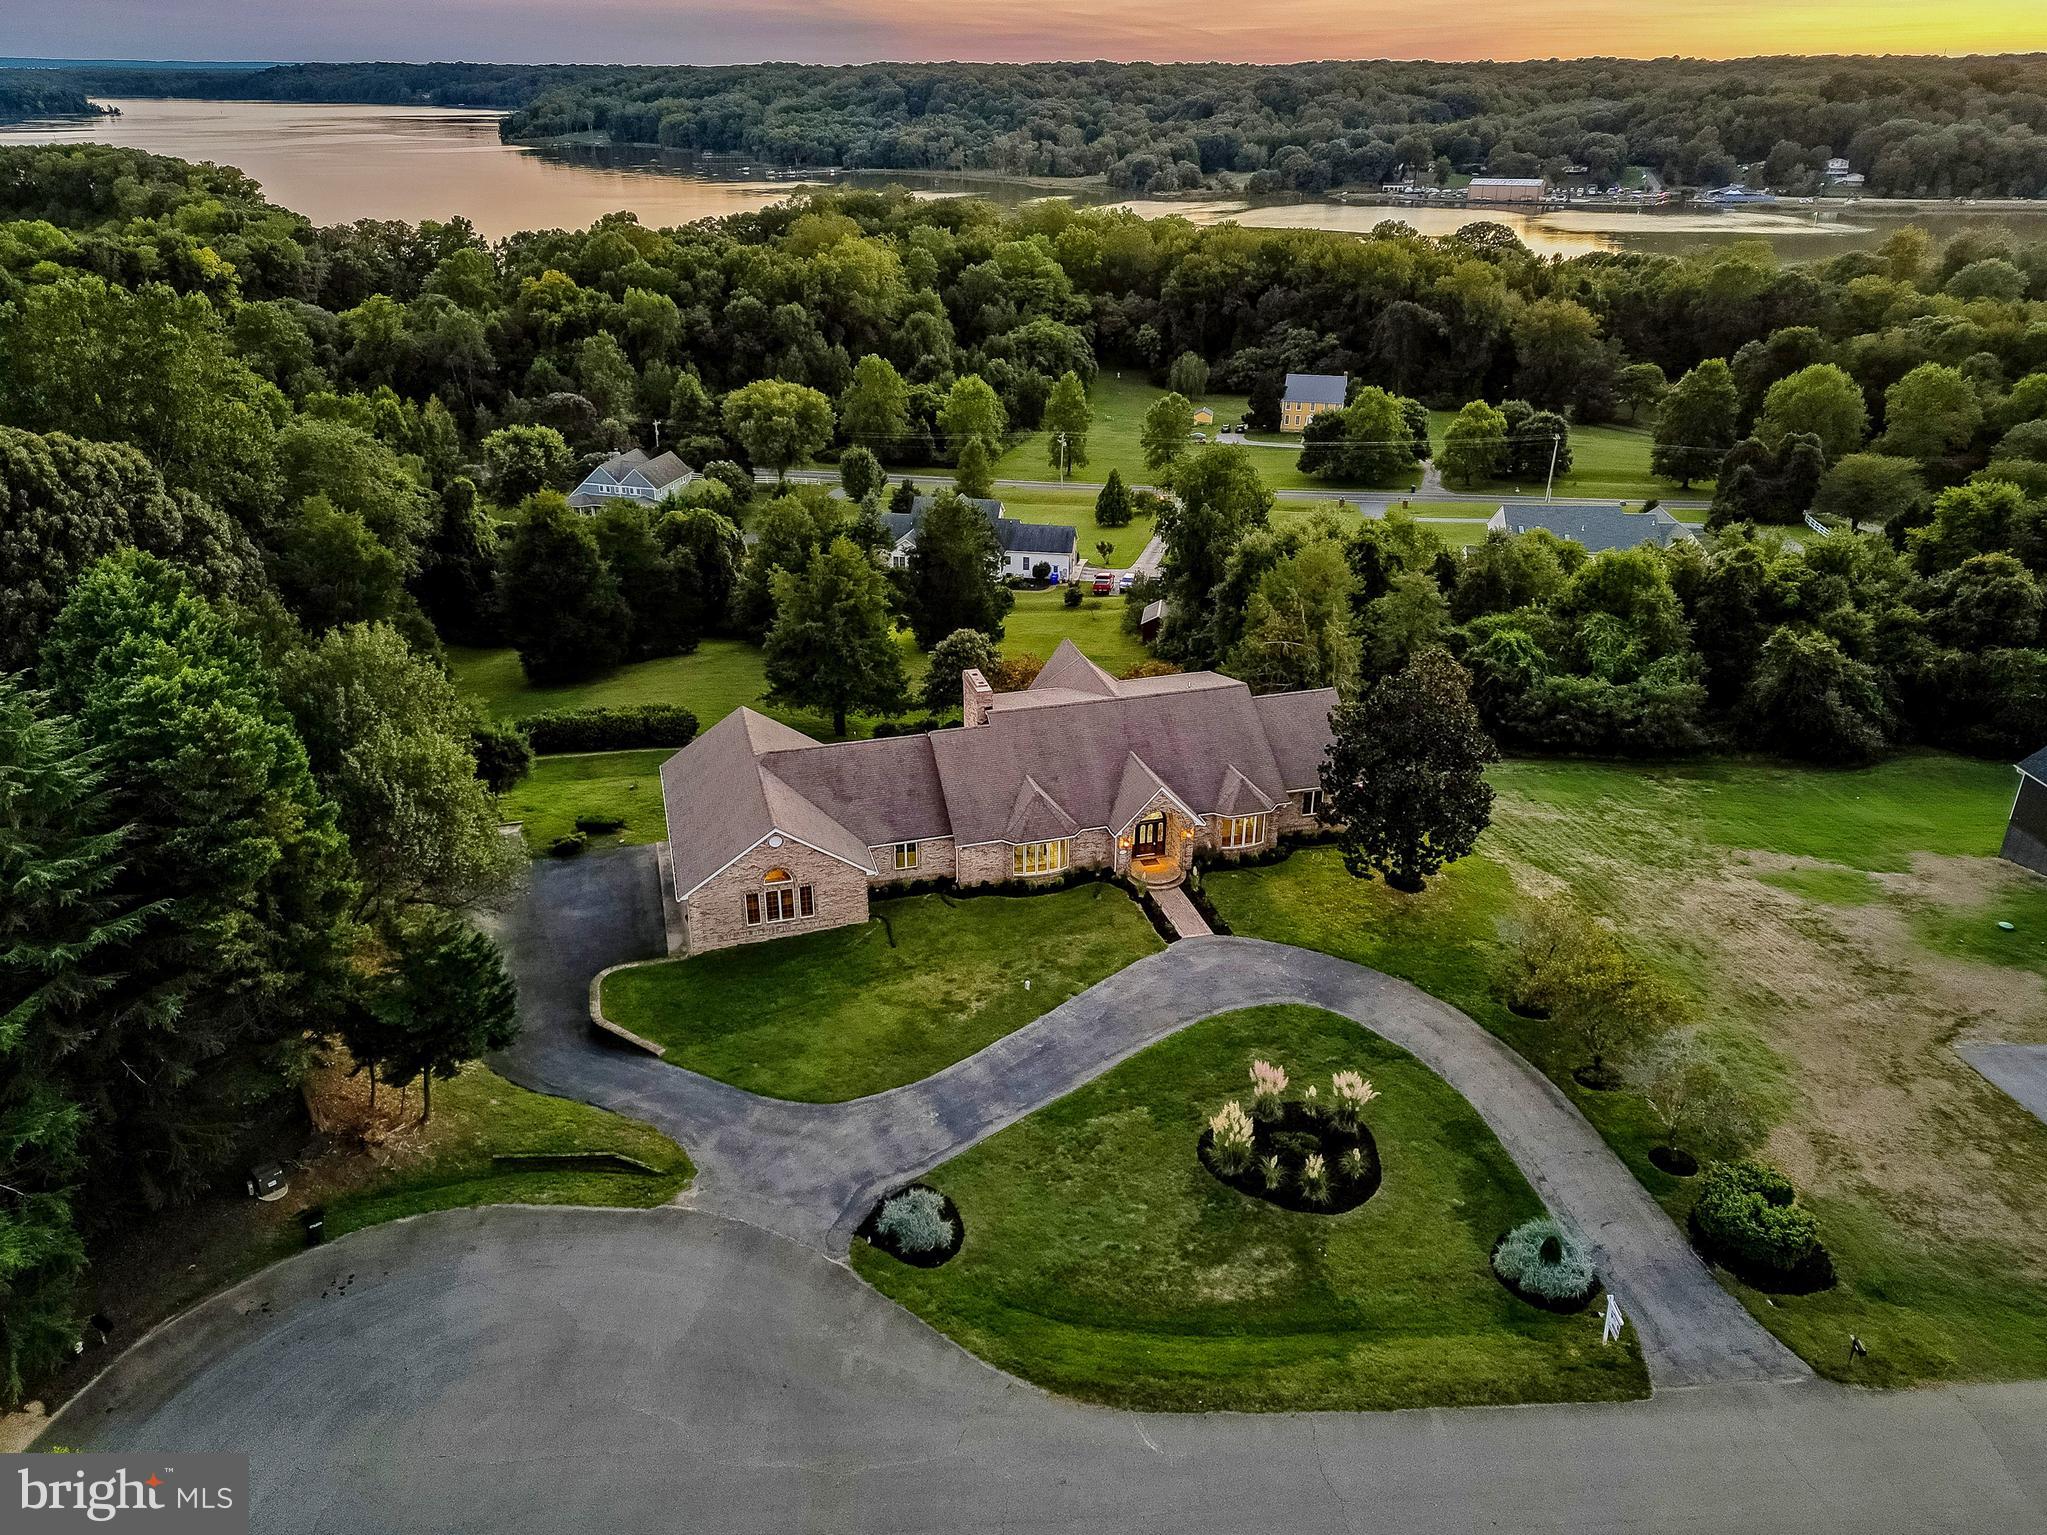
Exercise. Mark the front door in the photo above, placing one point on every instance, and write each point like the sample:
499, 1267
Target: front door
1149, 840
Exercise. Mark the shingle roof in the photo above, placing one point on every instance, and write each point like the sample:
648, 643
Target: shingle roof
1077, 749
1013, 536
1597, 527
2035, 766
1315, 388
718, 789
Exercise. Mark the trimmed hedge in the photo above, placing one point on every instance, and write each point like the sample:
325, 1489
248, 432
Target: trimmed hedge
605, 730
1748, 1220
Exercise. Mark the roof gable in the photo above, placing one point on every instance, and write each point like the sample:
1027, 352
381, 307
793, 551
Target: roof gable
1316, 388
2035, 766
1036, 816
1069, 668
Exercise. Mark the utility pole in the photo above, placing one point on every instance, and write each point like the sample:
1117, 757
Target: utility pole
1556, 442
1064, 466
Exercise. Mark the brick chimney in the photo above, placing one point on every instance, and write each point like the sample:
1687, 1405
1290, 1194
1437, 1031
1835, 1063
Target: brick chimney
976, 697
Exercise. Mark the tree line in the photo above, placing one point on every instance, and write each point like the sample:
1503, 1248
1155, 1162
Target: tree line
1915, 127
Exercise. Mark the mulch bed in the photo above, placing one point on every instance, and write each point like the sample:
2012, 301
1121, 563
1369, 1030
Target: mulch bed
1674, 1160
922, 1260
1344, 1194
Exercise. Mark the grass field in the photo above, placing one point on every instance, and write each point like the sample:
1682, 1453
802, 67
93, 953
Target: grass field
841, 1014
1837, 932
1103, 1262
623, 784
1608, 463
721, 675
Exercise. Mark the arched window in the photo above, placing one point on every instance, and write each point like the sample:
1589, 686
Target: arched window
775, 877
781, 901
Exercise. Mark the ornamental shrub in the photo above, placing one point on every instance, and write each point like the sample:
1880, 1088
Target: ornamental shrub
600, 825
1295, 1145
1348, 1095
1275, 1175
1351, 1166
915, 1221
568, 846
603, 730
1315, 1179
1231, 1139
1542, 1260
1268, 1090
1748, 1216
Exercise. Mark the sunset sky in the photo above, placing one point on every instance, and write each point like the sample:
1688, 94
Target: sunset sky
840, 31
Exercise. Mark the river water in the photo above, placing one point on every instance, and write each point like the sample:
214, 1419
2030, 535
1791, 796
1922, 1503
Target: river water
339, 163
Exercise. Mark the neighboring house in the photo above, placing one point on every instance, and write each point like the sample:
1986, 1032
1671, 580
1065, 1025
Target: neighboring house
632, 474
1597, 527
1506, 189
1025, 545
1308, 395
2025, 839
1203, 416
772, 833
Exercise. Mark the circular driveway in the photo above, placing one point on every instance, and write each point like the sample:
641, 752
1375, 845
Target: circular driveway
515, 1370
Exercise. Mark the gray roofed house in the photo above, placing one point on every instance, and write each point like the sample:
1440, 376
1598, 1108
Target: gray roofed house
1595, 525
774, 833
1025, 545
1308, 395
2025, 838
633, 474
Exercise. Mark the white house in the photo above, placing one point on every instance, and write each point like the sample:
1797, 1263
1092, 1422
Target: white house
1025, 545
632, 474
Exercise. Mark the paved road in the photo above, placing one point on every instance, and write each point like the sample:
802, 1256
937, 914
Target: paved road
1371, 502
2020, 1070
527, 1372
811, 1172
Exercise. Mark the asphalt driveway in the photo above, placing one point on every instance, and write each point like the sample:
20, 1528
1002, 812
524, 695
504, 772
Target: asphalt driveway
511, 1371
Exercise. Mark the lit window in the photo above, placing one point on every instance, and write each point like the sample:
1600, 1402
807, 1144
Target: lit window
906, 855
1039, 857
1241, 831
775, 877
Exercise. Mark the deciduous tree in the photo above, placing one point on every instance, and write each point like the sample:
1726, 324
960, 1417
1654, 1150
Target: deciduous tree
832, 647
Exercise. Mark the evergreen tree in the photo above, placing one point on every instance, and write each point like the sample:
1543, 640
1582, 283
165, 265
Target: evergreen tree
832, 647
234, 846
1112, 505
1406, 773
955, 574
445, 1001
64, 922
860, 473
560, 605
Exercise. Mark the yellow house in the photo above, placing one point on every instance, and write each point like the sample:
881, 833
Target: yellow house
1203, 416
1308, 395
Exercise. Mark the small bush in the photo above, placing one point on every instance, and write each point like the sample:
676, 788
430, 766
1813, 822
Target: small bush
1275, 1175
1072, 597
1315, 1179
1748, 1218
600, 825
1542, 1262
1348, 1094
915, 1221
601, 730
1268, 1090
1295, 1145
1231, 1138
1352, 1166
568, 846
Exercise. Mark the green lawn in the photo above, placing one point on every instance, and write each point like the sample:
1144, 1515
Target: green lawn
721, 675
1103, 1262
624, 784
1076, 509
835, 1015
479, 1115
1835, 931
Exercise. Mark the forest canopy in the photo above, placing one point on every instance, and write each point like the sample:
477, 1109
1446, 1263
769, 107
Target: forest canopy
1915, 127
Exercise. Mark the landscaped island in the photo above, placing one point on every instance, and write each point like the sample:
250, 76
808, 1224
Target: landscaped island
1103, 1261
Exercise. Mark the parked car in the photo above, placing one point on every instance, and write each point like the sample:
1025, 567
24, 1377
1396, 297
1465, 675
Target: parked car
1125, 581
1105, 582
1198, 436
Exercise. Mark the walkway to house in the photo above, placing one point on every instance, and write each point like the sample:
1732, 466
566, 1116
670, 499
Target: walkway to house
1180, 912
811, 1172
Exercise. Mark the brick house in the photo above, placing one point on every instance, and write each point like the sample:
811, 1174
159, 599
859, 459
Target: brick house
772, 833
